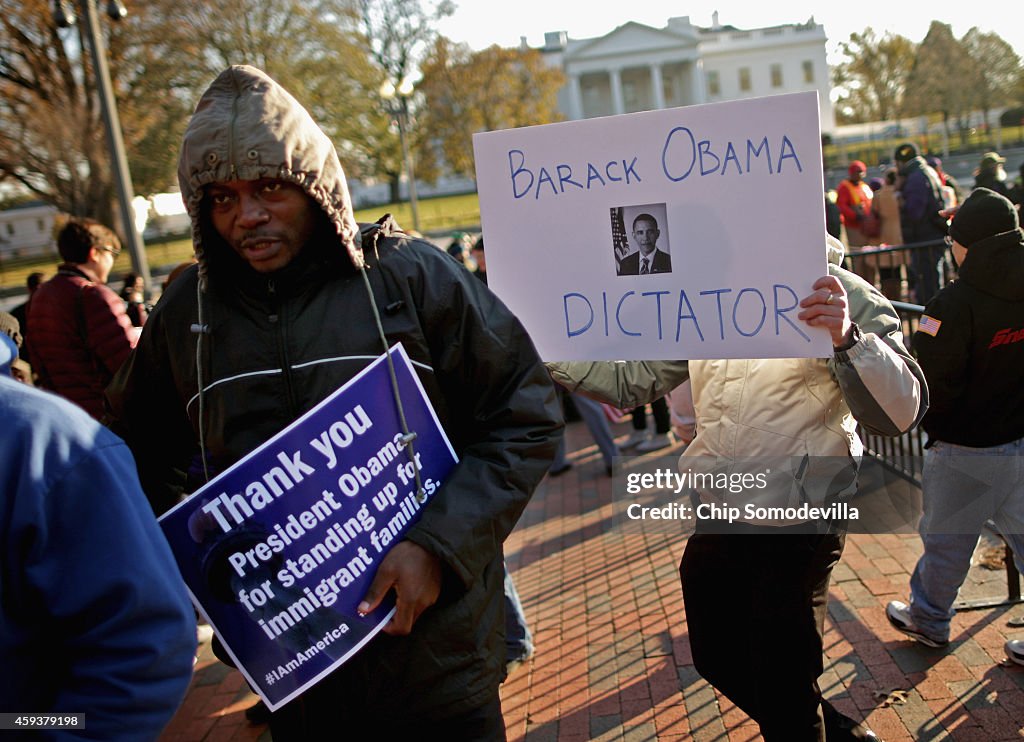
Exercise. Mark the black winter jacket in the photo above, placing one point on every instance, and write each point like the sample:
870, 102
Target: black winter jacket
276, 345
272, 345
974, 360
80, 336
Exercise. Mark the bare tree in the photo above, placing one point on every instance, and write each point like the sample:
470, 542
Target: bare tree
162, 55
398, 33
941, 78
996, 69
872, 76
465, 92
52, 136
313, 48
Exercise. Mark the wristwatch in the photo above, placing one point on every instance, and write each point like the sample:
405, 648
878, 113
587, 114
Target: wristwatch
853, 337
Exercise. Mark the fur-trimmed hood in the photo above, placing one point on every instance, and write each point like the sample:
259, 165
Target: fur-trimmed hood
248, 127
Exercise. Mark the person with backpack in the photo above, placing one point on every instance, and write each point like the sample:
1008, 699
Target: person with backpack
921, 220
81, 333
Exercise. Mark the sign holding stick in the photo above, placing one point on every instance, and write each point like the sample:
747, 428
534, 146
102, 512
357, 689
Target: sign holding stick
279, 549
684, 233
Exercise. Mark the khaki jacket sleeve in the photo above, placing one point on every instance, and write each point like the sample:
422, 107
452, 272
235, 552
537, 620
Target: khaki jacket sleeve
624, 384
880, 380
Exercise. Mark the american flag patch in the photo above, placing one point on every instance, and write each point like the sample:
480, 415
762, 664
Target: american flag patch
929, 325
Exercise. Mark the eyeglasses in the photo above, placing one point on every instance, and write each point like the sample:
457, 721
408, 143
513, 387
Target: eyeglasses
115, 251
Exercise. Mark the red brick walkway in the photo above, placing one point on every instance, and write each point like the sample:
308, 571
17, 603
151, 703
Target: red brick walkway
613, 661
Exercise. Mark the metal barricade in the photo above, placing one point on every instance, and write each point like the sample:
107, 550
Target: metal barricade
892, 267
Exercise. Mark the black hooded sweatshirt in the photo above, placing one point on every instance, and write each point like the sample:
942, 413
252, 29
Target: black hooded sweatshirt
971, 348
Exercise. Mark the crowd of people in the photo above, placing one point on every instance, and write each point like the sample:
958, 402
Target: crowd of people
289, 298
908, 204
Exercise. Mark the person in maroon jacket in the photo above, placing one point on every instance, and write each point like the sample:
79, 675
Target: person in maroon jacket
81, 333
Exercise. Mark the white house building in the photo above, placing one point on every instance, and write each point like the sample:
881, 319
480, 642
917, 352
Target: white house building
27, 230
638, 68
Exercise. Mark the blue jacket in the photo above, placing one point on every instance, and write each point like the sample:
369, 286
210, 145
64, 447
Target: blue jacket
94, 617
922, 201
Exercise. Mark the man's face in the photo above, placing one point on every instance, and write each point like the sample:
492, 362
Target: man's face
480, 258
645, 235
101, 260
267, 222
856, 176
959, 253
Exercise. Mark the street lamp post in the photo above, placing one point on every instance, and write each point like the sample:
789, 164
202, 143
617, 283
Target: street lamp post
396, 100
64, 17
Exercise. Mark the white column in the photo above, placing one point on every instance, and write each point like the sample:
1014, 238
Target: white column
700, 94
575, 98
659, 87
615, 81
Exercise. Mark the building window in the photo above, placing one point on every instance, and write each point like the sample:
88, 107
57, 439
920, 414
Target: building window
714, 86
808, 71
744, 79
776, 72
10, 228
40, 225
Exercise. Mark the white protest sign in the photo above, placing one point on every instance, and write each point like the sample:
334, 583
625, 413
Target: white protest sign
724, 200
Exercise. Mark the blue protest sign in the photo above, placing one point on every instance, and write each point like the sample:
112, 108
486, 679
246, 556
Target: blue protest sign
279, 549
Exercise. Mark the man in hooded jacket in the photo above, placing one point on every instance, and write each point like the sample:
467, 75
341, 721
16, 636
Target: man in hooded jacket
289, 300
970, 343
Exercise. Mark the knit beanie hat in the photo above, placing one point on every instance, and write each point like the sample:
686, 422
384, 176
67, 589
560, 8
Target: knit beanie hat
984, 213
905, 152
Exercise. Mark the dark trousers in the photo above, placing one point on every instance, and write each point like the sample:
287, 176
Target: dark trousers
925, 263
755, 612
659, 411
342, 722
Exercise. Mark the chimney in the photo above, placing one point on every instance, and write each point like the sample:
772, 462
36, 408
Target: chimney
554, 40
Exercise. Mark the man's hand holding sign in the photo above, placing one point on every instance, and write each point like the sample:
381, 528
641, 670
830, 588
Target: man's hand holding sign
827, 307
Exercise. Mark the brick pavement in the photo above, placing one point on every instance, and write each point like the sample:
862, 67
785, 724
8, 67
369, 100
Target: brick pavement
613, 661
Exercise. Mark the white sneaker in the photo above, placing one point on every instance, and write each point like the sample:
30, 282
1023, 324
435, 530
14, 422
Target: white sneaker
1015, 650
635, 438
204, 633
898, 614
656, 442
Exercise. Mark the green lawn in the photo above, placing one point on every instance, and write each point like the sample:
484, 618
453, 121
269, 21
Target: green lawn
14, 273
437, 216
